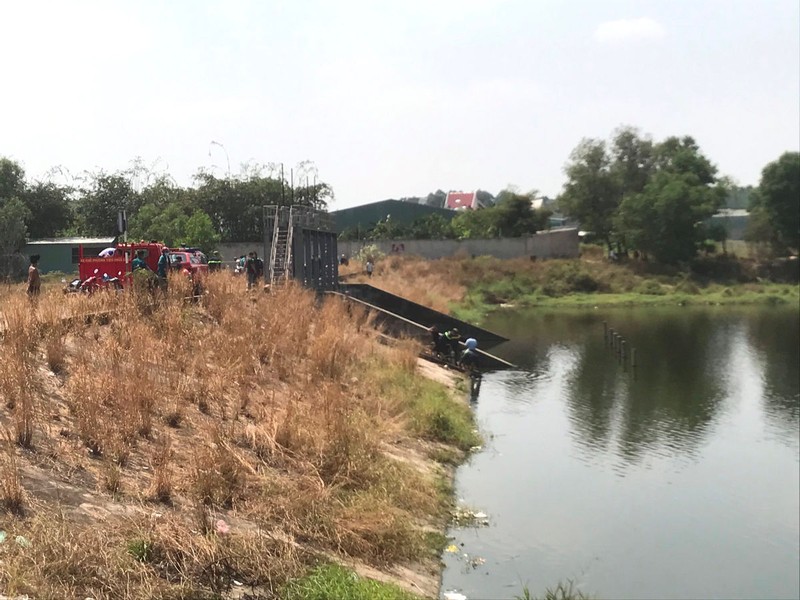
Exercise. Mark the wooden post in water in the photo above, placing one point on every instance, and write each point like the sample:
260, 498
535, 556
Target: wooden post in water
605, 332
622, 350
633, 357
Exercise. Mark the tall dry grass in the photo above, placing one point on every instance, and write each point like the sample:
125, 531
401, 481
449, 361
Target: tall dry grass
258, 410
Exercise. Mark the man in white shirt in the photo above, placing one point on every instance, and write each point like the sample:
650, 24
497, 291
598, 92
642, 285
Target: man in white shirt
108, 252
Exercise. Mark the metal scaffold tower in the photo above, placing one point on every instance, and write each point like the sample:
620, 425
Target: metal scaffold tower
301, 245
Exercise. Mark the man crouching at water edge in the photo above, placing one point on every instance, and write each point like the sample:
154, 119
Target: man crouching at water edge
34, 280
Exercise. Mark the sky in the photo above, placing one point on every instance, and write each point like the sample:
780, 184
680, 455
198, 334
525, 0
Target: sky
392, 98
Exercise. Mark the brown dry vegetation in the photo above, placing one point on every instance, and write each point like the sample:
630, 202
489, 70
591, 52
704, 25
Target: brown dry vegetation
174, 450
471, 286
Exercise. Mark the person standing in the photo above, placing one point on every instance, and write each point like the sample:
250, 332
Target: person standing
215, 262
162, 268
370, 268
34, 280
259, 267
250, 270
139, 262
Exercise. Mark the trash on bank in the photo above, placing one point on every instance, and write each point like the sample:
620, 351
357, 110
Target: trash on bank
463, 516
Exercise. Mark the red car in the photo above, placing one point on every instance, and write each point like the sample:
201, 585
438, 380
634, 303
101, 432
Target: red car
188, 261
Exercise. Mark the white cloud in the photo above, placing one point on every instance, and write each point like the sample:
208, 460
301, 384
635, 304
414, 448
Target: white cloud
624, 30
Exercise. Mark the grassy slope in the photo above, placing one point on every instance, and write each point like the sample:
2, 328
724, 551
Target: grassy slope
179, 448
470, 288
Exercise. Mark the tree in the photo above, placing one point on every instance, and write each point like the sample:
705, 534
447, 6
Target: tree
514, 215
777, 200
12, 179
632, 160
665, 219
436, 199
50, 209
100, 202
591, 194
13, 232
199, 232
430, 227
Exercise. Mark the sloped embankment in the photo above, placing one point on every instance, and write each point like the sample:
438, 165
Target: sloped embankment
218, 449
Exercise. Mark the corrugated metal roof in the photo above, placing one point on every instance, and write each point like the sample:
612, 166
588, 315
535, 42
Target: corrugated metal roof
72, 241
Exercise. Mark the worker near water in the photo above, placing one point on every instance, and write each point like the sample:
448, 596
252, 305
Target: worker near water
34, 279
453, 339
215, 262
469, 357
438, 344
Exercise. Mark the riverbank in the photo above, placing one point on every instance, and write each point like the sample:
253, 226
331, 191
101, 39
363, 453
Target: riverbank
218, 450
472, 287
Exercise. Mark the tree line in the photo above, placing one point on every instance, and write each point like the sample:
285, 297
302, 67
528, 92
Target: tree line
633, 194
210, 211
656, 198
510, 214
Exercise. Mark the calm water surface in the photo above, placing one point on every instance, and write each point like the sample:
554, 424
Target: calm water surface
681, 480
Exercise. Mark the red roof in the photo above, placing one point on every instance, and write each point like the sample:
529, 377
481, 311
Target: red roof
456, 200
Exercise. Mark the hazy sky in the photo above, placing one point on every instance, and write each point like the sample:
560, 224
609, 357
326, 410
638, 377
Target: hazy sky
394, 98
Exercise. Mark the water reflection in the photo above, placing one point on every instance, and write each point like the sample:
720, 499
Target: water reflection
679, 387
770, 333
677, 480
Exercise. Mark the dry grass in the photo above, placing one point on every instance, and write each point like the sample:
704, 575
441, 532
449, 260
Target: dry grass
256, 411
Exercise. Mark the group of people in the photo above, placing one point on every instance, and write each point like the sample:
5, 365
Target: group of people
253, 268
448, 345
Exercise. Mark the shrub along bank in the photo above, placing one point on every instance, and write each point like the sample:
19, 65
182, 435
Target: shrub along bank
173, 450
471, 287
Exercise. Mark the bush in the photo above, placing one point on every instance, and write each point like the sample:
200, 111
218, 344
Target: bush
650, 288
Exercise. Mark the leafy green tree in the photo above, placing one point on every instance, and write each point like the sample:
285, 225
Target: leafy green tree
50, 209
199, 232
430, 227
12, 179
475, 224
777, 201
632, 160
13, 232
665, 220
592, 193
101, 200
514, 215
386, 229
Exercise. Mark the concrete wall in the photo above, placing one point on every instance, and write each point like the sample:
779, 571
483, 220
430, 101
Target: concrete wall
548, 244
230, 252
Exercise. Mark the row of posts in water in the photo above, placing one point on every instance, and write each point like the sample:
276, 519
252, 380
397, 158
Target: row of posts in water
619, 345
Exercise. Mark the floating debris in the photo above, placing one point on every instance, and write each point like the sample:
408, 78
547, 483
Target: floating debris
463, 516
452, 548
454, 596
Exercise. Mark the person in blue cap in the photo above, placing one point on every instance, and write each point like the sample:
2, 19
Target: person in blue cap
469, 357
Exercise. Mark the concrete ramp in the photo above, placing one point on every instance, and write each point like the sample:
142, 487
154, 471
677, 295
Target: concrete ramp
398, 325
421, 315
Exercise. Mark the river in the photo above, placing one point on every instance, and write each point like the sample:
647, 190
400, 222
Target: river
677, 479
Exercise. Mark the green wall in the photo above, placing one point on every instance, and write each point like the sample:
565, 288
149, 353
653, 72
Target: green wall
58, 257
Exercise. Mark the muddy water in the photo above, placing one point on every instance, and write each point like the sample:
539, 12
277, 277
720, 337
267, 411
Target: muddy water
679, 479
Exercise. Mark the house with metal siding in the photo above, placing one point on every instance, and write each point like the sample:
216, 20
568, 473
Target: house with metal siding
367, 216
62, 254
